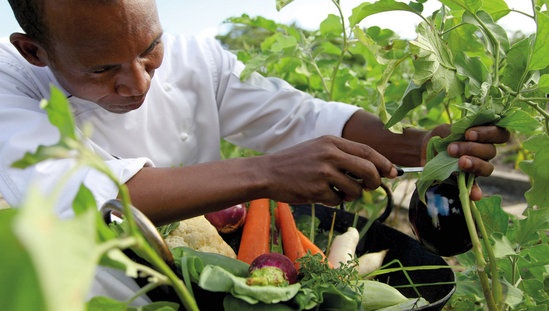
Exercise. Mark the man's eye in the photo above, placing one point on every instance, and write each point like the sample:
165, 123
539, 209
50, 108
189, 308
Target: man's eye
102, 69
99, 70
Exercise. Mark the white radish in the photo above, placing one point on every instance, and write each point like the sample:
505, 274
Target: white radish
370, 262
343, 247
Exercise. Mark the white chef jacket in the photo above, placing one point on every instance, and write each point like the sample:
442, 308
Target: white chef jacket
196, 99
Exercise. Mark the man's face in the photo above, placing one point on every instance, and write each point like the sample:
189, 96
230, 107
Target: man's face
105, 53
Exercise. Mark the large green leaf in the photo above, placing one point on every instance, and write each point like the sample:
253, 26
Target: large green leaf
496, 8
517, 64
430, 54
496, 220
540, 55
19, 286
412, 99
367, 9
502, 246
469, 5
496, 34
544, 83
472, 70
64, 252
528, 230
538, 170
438, 169
518, 120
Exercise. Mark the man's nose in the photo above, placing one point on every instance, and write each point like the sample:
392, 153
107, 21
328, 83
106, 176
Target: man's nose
134, 80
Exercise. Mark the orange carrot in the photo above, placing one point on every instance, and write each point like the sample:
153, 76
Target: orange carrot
308, 245
291, 243
255, 238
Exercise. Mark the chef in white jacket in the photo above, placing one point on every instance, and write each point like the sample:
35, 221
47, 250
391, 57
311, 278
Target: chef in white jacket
159, 106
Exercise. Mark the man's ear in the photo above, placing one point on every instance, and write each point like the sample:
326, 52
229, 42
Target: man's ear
33, 52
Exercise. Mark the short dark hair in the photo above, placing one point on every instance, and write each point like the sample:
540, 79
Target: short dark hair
30, 16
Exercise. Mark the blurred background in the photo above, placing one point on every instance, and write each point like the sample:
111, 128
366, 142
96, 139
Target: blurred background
206, 17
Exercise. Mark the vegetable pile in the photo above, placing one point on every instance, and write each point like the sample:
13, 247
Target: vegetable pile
278, 264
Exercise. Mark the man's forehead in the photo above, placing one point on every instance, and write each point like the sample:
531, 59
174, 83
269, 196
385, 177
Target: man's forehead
100, 18
102, 29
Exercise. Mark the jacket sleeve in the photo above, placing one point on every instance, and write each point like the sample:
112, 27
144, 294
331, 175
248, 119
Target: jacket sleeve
268, 114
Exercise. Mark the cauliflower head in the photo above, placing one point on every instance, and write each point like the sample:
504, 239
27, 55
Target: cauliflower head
199, 234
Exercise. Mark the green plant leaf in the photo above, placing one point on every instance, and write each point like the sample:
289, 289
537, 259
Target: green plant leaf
541, 46
109, 304
412, 99
282, 3
512, 295
19, 288
57, 151
518, 120
496, 220
367, 9
529, 229
217, 279
538, 170
469, 5
496, 8
544, 83
430, 53
41, 231
486, 24
59, 113
331, 26
502, 246
517, 64
473, 70
283, 42
438, 169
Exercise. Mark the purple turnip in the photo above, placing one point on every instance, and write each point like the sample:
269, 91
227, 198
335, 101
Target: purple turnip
273, 269
229, 219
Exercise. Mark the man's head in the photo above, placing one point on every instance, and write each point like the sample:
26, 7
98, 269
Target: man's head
29, 16
104, 51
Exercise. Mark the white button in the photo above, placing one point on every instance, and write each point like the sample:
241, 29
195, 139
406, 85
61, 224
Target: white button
167, 87
184, 136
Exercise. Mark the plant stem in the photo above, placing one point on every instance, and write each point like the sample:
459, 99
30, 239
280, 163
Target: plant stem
180, 289
186, 298
343, 50
497, 291
464, 192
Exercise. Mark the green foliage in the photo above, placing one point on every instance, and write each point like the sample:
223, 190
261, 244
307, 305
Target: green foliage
461, 68
61, 279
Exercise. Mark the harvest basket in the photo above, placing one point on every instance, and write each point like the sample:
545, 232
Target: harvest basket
435, 285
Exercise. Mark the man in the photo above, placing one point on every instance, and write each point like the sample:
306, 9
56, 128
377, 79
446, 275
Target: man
160, 104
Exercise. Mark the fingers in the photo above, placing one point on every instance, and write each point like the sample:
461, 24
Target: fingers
482, 151
478, 148
487, 134
362, 161
354, 167
475, 166
476, 193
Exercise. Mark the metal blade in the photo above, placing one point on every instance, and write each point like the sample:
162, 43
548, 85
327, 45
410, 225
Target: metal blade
402, 170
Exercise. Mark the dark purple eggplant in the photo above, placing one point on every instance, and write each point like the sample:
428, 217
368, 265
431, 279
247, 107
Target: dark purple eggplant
440, 225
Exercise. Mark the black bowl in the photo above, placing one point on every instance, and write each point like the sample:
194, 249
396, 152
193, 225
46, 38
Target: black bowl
407, 250
402, 247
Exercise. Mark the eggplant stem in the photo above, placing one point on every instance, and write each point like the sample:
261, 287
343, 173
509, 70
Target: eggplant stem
464, 192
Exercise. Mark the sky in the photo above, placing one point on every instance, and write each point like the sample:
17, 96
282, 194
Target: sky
205, 17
